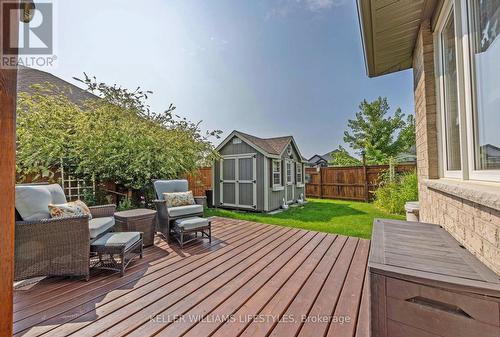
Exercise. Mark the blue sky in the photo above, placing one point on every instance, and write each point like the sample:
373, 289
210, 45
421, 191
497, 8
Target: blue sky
266, 67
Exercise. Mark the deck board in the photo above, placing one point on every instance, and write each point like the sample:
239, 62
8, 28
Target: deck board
252, 280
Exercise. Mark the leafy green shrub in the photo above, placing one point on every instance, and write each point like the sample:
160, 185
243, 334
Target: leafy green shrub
89, 197
125, 204
114, 138
391, 196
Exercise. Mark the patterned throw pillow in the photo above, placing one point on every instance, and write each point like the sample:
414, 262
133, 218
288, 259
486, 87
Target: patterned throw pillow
177, 199
73, 208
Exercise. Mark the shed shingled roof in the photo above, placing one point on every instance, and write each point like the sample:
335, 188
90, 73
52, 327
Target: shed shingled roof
274, 145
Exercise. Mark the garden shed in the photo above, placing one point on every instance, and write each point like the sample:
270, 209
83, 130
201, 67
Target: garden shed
259, 174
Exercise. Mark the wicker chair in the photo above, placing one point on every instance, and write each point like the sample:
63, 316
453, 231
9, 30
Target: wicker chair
57, 246
166, 215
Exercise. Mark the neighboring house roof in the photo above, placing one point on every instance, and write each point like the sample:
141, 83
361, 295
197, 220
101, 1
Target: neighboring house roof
408, 157
271, 147
389, 31
316, 158
327, 157
26, 77
490, 148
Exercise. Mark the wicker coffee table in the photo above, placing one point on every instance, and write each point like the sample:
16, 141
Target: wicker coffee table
137, 220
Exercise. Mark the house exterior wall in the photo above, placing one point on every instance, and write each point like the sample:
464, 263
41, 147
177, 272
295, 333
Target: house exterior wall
475, 226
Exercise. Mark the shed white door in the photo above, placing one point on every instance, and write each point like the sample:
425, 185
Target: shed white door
238, 182
289, 181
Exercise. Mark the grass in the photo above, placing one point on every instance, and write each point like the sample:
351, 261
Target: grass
331, 216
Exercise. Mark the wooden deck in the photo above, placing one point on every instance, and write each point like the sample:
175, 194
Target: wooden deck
253, 280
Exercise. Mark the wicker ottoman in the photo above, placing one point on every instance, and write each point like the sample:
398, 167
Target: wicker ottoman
137, 220
114, 251
192, 225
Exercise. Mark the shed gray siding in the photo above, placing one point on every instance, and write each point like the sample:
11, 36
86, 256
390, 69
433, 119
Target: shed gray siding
266, 198
241, 148
275, 197
246, 191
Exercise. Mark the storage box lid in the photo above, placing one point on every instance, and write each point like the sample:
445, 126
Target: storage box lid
427, 253
135, 214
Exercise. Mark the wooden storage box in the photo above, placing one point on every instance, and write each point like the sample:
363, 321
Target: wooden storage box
423, 283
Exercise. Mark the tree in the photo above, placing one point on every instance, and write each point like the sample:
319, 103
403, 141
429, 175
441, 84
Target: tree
380, 136
341, 157
116, 137
45, 132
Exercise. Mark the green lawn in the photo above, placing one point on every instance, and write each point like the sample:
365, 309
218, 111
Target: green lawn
331, 216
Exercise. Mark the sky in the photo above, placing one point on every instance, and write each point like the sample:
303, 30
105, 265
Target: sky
266, 67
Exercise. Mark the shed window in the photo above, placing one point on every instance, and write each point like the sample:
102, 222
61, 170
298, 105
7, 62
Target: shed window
276, 173
299, 173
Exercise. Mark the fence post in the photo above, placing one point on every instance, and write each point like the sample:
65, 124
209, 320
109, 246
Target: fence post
320, 182
365, 173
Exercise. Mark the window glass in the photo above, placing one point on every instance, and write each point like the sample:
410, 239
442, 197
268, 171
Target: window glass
451, 115
288, 172
299, 173
276, 172
485, 59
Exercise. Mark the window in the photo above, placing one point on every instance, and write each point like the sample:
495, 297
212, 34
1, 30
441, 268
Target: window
276, 173
451, 116
467, 46
289, 173
299, 173
484, 18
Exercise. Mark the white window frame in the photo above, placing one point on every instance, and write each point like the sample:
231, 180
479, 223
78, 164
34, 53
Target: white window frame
465, 93
488, 175
299, 172
447, 10
276, 187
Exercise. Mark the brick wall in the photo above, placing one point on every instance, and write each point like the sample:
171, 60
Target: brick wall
425, 104
475, 226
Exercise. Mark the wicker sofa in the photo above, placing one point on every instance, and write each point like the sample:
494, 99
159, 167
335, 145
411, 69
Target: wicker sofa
47, 246
166, 215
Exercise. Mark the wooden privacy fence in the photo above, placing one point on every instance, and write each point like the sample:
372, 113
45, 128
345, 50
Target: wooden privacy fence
200, 181
350, 183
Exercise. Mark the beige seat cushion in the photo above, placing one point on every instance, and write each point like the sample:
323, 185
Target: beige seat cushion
185, 210
192, 223
118, 239
98, 226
